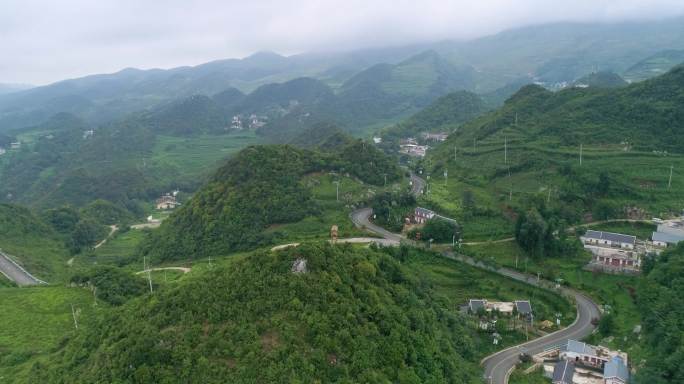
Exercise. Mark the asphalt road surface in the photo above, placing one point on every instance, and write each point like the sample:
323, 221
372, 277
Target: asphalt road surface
498, 366
15, 273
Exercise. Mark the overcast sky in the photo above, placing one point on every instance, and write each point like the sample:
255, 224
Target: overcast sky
45, 41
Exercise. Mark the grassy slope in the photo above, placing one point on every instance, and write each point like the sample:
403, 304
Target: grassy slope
39, 318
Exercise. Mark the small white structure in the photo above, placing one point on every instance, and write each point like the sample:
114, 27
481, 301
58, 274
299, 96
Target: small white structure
88, 133
2, 151
299, 266
377, 140
422, 215
15, 145
236, 123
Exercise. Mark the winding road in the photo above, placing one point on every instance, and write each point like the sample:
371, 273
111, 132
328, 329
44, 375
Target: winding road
498, 366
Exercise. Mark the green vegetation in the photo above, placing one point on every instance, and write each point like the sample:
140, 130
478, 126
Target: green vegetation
659, 296
39, 318
284, 330
601, 80
32, 242
257, 189
111, 284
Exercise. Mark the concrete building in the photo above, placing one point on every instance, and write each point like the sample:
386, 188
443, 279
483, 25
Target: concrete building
503, 307
589, 355
15, 145
612, 251
167, 201
670, 232
413, 149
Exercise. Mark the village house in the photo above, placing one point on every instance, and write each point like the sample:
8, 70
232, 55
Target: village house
377, 140
167, 201
2, 151
413, 149
589, 355
669, 232
612, 251
15, 145
523, 307
441, 136
563, 372
256, 122
88, 133
236, 123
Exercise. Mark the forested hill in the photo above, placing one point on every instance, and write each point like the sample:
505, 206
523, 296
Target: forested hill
647, 116
443, 115
351, 316
257, 188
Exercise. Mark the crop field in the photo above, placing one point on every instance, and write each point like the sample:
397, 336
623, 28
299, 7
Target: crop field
201, 154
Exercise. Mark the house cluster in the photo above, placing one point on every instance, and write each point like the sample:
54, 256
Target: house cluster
576, 362
440, 136
253, 122
88, 133
411, 147
670, 232
168, 201
613, 252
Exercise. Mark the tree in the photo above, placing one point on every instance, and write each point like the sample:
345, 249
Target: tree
531, 231
468, 202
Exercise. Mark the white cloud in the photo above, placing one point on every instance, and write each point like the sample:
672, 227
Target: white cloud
44, 41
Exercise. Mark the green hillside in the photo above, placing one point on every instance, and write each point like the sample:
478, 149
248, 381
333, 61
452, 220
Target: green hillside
601, 80
32, 242
255, 320
655, 65
443, 115
630, 137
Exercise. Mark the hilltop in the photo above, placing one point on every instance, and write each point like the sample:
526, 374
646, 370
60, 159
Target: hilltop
260, 187
257, 321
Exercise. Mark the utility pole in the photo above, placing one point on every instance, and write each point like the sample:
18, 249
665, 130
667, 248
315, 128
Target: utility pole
454, 153
446, 172
474, 142
548, 196
581, 148
385, 178
338, 189
669, 183
516, 119
510, 185
210, 265
506, 150
73, 314
149, 273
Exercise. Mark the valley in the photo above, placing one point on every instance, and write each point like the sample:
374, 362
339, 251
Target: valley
457, 211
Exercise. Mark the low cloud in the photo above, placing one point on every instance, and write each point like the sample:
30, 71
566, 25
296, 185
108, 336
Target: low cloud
45, 41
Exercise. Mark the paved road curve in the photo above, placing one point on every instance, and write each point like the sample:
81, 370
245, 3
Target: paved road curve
499, 365
16, 273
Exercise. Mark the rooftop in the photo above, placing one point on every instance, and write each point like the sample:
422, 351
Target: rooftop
610, 236
524, 307
579, 347
563, 372
667, 237
616, 367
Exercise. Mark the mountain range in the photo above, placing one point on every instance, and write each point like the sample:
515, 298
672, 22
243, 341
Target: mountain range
553, 53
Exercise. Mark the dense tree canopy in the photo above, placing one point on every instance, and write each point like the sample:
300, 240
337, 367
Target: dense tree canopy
353, 316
